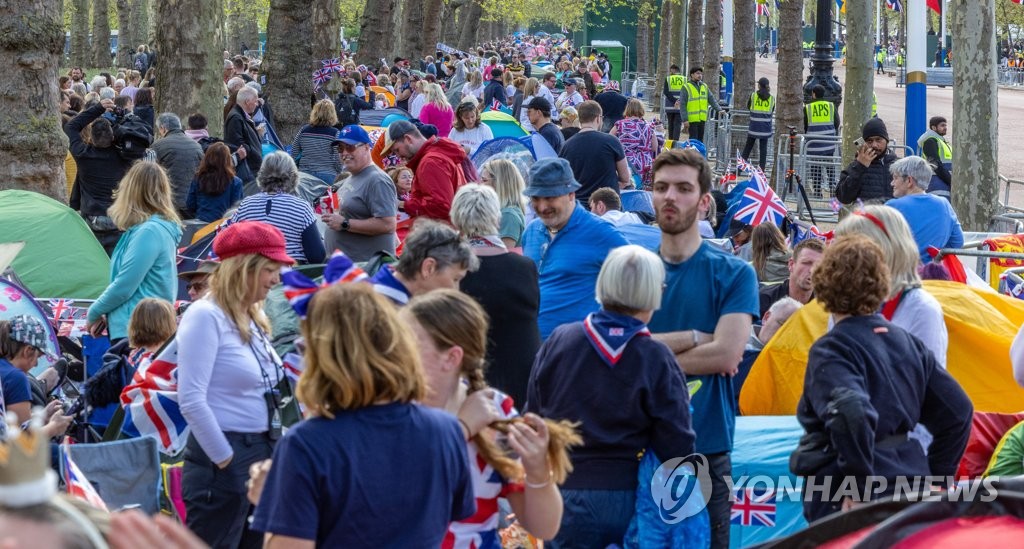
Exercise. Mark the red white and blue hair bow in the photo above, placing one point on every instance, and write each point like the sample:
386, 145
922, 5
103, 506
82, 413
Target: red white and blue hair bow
299, 288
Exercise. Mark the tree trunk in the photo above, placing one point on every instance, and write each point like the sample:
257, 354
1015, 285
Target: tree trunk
140, 23
81, 55
431, 30
124, 33
374, 30
675, 52
413, 27
100, 34
712, 45
469, 23
860, 74
975, 108
32, 145
326, 43
249, 30
744, 53
645, 15
789, 106
694, 35
289, 64
664, 41
189, 33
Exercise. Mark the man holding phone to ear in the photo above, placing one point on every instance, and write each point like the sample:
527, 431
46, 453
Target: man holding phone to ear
867, 178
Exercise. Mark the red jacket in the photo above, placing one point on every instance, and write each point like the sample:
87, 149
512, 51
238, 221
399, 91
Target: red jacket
438, 174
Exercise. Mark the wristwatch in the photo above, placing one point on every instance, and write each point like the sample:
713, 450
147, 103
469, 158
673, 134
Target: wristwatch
344, 224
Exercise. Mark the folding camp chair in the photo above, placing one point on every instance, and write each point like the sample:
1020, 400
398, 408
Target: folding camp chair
124, 472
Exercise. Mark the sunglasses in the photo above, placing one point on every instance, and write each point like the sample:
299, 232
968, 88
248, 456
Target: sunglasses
348, 148
197, 286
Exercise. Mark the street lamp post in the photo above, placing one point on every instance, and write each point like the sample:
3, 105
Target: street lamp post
822, 60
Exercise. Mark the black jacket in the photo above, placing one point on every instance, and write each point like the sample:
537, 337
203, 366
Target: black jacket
239, 129
868, 384
866, 183
147, 114
99, 169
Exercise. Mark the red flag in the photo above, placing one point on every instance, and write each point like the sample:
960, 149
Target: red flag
934, 5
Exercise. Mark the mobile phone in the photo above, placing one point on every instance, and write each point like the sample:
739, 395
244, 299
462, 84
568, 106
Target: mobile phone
859, 142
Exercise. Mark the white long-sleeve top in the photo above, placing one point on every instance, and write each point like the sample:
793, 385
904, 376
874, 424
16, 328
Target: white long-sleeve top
220, 385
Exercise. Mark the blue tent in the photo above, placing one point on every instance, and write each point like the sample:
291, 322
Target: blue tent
762, 512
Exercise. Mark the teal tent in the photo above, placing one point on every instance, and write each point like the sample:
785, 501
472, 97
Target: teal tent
61, 257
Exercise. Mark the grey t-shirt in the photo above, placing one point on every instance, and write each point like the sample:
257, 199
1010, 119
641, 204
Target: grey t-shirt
369, 193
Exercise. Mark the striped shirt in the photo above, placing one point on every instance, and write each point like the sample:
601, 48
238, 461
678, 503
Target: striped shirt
314, 152
290, 214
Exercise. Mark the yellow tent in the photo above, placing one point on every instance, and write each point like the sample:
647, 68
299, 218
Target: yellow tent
981, 327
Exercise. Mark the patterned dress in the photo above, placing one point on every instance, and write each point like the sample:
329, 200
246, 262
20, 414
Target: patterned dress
637, 138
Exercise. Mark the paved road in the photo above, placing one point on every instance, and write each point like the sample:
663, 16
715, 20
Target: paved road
891, 101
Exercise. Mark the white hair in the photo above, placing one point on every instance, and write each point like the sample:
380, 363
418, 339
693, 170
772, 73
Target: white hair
107, 93
246, 93
475, 210
98, 82
630, 280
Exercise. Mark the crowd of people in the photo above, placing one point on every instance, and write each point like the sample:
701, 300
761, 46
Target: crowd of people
519, 335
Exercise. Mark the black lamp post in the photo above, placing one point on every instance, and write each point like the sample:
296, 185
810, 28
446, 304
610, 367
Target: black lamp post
821, 69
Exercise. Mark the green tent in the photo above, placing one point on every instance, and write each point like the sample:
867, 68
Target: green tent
61, 257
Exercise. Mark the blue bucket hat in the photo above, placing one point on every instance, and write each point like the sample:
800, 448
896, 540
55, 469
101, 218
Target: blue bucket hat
551, 177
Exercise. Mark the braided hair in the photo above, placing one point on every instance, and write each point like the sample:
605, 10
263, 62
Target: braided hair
452, 318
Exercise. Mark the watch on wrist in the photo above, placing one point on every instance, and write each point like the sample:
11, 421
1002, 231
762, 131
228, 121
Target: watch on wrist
344, 224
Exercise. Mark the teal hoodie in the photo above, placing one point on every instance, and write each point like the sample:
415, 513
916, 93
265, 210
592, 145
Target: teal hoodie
144, 265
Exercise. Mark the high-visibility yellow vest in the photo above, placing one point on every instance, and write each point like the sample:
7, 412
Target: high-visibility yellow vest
696, 102
880, 57
874, 105
761, 116
821, 118
675, 82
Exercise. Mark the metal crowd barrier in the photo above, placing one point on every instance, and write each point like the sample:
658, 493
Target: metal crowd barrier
1007, 185
1011, 76
733, 131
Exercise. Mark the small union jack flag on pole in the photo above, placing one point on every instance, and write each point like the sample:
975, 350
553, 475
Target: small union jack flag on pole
496, 105
897, 6
759, 203
763, 9
320, 76
332, 65
754, 507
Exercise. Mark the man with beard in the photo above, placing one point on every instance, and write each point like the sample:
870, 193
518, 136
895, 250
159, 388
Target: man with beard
707, 309
568, 244
806, 256
867, 178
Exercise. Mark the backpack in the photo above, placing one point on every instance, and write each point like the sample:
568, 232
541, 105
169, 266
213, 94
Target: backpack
345, 110
205, 142
140, 62
132, 137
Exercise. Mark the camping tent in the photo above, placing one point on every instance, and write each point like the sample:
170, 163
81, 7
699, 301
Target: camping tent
502, 124
376, 117
61, 257
981, 326
388, 96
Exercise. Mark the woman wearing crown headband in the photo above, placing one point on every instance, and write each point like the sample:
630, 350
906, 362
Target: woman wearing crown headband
231, 387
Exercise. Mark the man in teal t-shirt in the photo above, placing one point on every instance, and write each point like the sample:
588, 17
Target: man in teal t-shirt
709, 303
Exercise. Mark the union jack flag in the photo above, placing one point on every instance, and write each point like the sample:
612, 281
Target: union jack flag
150, 401
293, 366
758, 203
332, 65
299, 289
763, 9
897, 6
754, 507
77, 485
496, 105
320, 76
60, 307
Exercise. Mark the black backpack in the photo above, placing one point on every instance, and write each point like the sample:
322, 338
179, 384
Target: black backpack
140, 62
205, 142
132, 137
345, 110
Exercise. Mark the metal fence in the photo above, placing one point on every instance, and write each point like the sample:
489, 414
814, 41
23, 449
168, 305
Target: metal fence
1011, 76
641, 86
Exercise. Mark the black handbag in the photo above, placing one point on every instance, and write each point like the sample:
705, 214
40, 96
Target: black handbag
812, 454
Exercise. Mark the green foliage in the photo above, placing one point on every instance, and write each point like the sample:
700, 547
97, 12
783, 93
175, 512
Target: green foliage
249, 9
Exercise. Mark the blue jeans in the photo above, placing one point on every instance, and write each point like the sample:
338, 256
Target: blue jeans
594, 519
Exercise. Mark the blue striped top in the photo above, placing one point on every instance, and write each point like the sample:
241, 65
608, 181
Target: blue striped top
290, 214
313, 150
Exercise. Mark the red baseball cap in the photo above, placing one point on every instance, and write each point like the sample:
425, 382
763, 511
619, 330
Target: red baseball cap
251, 237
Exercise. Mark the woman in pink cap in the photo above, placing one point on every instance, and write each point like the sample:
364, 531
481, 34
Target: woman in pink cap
228, 379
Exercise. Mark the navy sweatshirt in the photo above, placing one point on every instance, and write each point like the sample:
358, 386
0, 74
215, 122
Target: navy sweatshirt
897, 382
640, 403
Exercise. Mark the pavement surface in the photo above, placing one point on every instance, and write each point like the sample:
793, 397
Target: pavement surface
891, 101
